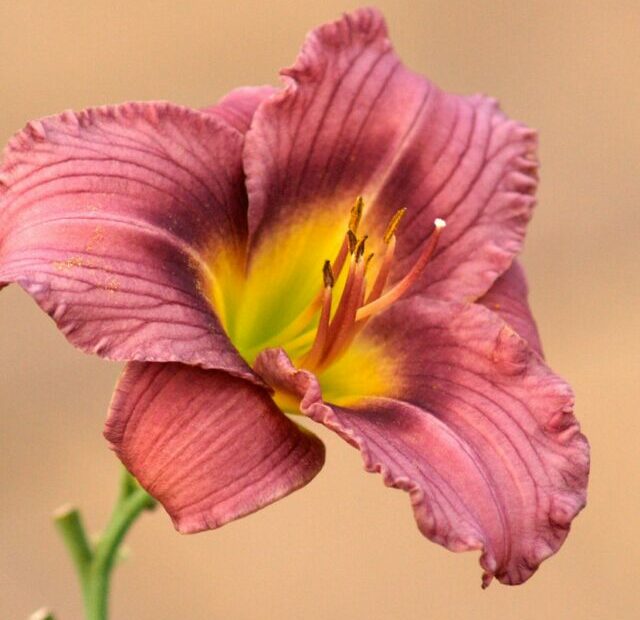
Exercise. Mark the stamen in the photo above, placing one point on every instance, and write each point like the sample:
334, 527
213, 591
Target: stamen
338, 263
394, 222
341, 331
390, 239
403, 286
313, 356
346, 294
334, 335
348, 246
381, 279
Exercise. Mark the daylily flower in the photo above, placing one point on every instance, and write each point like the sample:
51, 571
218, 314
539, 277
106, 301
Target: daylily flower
285, 252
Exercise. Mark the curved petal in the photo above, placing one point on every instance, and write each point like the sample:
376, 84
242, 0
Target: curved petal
481, 434
105, 218
353, 120
238, 107
508, 298
210, 447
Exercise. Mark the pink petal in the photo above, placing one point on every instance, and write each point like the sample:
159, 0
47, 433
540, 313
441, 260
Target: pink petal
508, 298
210, 447
104, 218
353, 120
482, 434
238, 107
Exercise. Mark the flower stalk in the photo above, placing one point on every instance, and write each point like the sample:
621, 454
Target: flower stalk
94, 563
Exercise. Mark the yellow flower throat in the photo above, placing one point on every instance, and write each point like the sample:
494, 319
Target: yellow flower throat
291, 296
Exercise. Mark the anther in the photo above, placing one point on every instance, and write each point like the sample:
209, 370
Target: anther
311, 359
359, 249
383, 273
352, 241
394, 222
327, 274
341, 330
356, 214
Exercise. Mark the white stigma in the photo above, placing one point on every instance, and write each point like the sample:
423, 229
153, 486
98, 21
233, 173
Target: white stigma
438, 223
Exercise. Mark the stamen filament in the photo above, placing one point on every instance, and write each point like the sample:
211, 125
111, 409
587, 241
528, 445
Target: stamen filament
341, 330
313, 356
318, 341
349, 245
338, 263
403, 286
346, 293
381, 278
390, 240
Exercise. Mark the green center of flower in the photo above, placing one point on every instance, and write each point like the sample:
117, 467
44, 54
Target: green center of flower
292, 296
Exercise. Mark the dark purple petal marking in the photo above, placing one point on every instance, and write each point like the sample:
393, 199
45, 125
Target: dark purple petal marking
210, 447
353, 120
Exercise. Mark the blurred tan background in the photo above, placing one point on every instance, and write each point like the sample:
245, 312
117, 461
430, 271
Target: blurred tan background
345, 547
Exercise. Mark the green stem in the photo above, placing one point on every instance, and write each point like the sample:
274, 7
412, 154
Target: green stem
124, 515
69, 524
94, 566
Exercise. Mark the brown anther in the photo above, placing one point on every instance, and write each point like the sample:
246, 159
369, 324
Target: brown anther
394, 222
356, 214
359, 249
327, 274
352, 240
